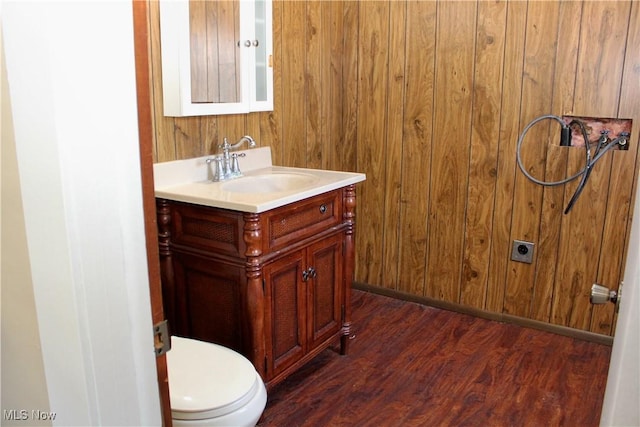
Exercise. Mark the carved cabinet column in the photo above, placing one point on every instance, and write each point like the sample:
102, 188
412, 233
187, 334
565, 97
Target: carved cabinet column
254, 302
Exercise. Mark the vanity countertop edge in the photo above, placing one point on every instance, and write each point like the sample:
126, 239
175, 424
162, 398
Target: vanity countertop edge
189, 181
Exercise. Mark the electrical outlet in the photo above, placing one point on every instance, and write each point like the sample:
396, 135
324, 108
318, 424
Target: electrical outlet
522, 251
594, 127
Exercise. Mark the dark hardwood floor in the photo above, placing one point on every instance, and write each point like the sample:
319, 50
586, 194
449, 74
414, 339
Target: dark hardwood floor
412, 365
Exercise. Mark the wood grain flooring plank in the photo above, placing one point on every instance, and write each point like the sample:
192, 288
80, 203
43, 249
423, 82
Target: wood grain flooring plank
413, 365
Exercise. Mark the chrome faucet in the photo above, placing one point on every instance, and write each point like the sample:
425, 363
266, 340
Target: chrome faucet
227, 166
250, 142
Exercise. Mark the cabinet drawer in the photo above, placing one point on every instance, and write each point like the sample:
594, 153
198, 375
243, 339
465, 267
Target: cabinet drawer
209, 229
286, 225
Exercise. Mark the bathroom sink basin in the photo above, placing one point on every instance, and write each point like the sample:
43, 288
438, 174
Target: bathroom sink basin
269, 183
262, 187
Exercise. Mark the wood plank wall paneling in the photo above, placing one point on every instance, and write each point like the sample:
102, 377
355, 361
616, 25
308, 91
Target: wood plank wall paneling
394, 155
294, 93
537, 92
428, 99
451, 145
348, 141
373, 62
315, 48
509, 128
485, 134
416, 144
603, 32
556, 164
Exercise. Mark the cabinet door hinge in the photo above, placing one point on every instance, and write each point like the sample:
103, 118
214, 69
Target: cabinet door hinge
161, 338
264, 285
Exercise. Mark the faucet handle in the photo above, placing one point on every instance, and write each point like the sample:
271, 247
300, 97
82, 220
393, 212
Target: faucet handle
235, 166
218, 173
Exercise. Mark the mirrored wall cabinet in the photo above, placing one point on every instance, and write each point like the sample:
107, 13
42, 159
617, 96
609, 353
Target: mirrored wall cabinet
216, 56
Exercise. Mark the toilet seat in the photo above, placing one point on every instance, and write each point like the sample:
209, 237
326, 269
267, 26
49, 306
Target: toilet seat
208, 380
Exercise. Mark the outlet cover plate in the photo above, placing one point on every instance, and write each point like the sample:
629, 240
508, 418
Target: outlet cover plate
522, 251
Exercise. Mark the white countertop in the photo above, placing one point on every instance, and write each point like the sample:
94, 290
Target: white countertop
189, 181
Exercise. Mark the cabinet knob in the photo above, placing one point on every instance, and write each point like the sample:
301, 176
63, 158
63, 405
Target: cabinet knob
323, 208
249, 43
309, 273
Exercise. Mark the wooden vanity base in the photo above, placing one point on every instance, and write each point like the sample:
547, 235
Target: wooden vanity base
274, 286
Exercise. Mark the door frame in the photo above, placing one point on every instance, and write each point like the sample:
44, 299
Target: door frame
145, 129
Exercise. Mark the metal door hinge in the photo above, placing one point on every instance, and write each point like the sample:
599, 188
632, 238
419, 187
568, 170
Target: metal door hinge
161, 338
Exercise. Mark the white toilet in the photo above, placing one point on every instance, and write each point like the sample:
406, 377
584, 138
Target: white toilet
211, 385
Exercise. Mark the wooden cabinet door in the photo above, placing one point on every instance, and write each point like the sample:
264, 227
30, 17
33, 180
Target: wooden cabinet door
285, 314
207, 301
324, 292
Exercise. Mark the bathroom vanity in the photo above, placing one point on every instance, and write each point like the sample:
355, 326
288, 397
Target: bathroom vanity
262, 264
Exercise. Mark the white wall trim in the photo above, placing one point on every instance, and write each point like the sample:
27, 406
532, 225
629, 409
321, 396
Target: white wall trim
71, 73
